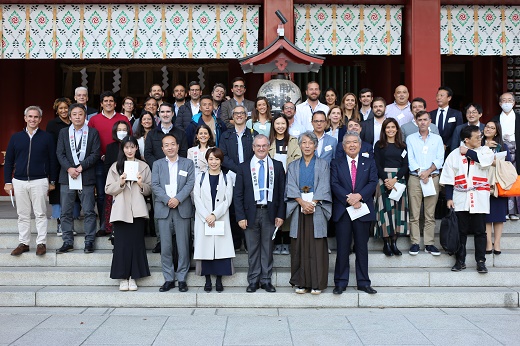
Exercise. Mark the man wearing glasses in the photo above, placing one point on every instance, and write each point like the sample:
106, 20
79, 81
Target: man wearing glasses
473, 113
238, 90
295, 128
189, 109
326, 144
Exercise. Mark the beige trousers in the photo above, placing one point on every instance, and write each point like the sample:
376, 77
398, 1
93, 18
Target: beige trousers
31, 194
415, 199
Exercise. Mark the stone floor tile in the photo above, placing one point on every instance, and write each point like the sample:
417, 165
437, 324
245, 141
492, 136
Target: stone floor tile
15, 326
325, 337
195, 322
444, 322
73, 322
45, 336
204, 311
247, 312
459, 337
257, 330
297, 323
37, 310
152, 311
193, 337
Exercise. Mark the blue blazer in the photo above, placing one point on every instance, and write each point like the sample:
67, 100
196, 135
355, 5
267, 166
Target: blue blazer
329, 154
448, 128
185, 183
341, 185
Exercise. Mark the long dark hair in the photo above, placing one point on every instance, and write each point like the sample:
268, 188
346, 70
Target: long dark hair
383, 141
272, 133
140, 131
498, 136
211, 140
255, 116
121, 157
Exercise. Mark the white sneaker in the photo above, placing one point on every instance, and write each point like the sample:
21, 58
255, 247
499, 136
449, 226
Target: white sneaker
316, 292
123, 285
277, 249
513, 217
132, 285
300, 290
285, 249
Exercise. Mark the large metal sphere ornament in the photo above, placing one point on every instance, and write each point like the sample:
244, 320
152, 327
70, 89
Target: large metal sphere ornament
278, 91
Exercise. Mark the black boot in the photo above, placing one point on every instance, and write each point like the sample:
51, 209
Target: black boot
386, 248
394, 248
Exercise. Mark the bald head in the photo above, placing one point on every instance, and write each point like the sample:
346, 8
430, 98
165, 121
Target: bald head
401, 95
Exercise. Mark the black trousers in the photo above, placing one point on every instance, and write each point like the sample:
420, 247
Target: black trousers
477, 224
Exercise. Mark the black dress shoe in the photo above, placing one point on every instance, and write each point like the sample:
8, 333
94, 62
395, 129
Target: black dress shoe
65, 248
219, 287
489, 252
252, 288
157, 248
89, 248
207, 287
168, 285
496, 252
183, 287
338, 290
367, 289
268, 287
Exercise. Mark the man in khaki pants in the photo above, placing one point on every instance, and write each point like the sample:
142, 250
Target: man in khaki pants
31, 154
425, 158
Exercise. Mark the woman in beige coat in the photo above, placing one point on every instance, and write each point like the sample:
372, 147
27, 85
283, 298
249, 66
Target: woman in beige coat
213, 193
128, 215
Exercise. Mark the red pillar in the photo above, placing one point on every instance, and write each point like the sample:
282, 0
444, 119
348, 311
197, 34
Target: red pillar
422, 49
271, 22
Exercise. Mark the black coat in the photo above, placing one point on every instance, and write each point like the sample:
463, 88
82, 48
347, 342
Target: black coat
153, 145
229, 146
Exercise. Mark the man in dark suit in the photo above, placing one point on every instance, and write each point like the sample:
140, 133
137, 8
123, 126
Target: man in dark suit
173, 178
353, 182
78, 152
189, 109
445, 117
259, 207
366, 96
372, 127
473, 113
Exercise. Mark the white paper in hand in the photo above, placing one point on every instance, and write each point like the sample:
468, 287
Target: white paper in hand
131, 169
359, 212
169, 188
217, 230
75, 184
274, 234
307, 197
397, 191
11, 195
428, 189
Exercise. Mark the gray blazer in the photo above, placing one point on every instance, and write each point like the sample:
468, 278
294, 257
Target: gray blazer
321, 193
88, 176
185, 182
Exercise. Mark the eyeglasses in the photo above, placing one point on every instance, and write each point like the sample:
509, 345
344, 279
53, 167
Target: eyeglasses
129, 103
239, 113
289, 107
263, 146
239, 86
473, 112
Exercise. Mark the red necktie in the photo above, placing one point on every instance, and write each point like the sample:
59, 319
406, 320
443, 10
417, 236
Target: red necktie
353, 172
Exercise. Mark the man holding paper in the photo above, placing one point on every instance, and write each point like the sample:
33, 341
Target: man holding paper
353, 183
78, 153
425, 158
173, 178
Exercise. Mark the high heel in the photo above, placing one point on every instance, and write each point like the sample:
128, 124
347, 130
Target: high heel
386, 248
394, 248
497, 252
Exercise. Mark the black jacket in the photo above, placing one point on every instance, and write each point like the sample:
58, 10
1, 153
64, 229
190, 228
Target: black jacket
229, 146
153, 145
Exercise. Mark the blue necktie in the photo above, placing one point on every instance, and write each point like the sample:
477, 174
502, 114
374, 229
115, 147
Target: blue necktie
261, 182
440, 125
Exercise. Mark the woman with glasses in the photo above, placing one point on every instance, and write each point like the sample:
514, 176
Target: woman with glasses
128, 109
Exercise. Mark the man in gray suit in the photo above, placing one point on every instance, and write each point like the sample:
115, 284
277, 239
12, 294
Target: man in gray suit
238, 90
78, 153
173, 178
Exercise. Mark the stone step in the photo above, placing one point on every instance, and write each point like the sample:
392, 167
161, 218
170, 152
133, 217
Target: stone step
109, 296
389, 277
376, 259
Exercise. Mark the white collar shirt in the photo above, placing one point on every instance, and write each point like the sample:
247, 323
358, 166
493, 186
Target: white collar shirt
256, 163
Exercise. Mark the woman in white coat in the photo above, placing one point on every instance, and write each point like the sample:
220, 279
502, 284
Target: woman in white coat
212, 194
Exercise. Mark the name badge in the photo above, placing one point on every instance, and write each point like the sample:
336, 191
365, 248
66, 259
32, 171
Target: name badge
262, 127
425, 150
452, 120
282, 148
183, 173
400, 116
248, 114
403, 154
328, 148
365, 155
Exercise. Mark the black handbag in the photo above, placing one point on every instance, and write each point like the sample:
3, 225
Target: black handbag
449, 233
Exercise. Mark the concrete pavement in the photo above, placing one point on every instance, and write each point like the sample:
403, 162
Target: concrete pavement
276, 326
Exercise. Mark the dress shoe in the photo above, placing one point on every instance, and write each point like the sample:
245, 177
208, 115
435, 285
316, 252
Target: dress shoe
65, 248
20, 249
168, 285
219, 287
41, 250
252, 287
386, 248
89, 248
207, 287
183, 287
367, 289
489, 252
268, 287
338, 290
157, 248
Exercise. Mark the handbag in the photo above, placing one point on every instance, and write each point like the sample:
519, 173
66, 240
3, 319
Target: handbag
449, 233
514, 191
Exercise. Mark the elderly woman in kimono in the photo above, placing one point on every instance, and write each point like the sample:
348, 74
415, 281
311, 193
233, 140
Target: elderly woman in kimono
212, 193
309, 208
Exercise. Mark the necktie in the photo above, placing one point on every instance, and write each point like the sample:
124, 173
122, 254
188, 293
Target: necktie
261, 182
353, 173
440, 125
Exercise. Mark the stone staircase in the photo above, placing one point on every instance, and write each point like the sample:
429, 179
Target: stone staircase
78, 279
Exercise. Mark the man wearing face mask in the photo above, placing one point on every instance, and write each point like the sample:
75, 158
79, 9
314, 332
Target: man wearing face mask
510, 136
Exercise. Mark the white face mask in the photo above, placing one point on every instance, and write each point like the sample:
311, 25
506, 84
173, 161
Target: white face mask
121, 135
506, 107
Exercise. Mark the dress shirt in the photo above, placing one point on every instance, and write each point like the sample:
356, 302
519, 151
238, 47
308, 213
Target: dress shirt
422, 153
173, 167
402, 115
507, 121
78, 136
377, 131
34, 132
320, 145
195, 108
240, 146
166, 130
444, 116
256, 163
304, 113
365, 115
296, 129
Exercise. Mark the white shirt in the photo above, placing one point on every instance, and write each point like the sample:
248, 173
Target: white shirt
296, 129
320, 144
78, 135
195, 108
256, 163
507, 121
349, 160
173, 168
304, 113
166, 130
34, 132
377, 131
444, 116
366, 114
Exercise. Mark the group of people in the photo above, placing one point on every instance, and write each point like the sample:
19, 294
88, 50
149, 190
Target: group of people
214, 176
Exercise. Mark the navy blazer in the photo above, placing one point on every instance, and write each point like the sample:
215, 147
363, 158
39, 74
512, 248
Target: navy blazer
367, 133
341, 185
244, 196
229, 146
448, 128
455, 140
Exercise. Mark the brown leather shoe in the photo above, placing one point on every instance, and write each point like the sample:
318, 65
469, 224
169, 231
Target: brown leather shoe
41, 250
20, 249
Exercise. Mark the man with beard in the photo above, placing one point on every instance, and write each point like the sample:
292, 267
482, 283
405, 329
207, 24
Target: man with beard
157, 93
400, 109
372, 127
305, 110
295, 128
189, 109
179, 94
